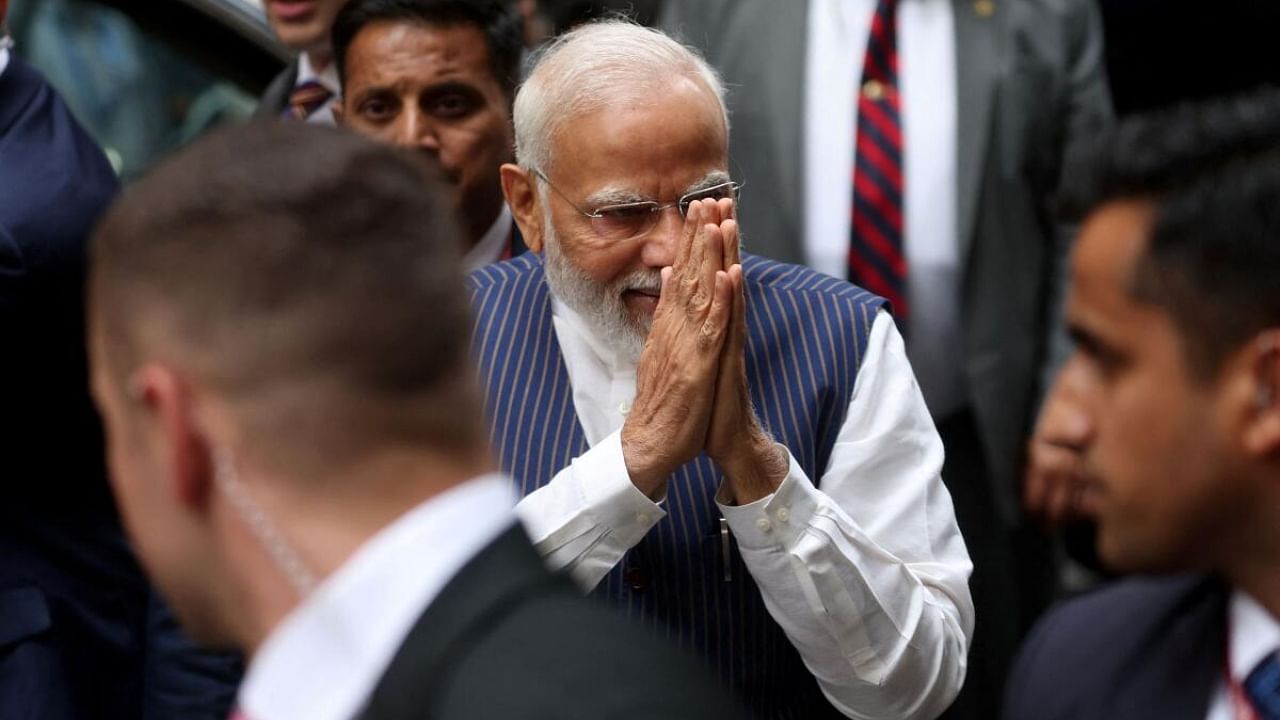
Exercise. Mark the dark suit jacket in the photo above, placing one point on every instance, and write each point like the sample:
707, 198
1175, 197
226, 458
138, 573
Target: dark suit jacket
74, 606
1139, 649
507, 639
1029, 80
276, 97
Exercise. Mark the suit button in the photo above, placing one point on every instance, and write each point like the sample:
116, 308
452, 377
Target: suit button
636, 578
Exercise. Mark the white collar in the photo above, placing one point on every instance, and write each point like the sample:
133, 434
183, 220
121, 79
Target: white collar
4, 56
328, 77
323, 661
1254, 634
489, 249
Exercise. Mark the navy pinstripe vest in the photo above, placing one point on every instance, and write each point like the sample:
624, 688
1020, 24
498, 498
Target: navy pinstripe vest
806, 335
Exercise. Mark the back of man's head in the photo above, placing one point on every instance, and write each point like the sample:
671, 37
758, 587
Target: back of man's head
305, 277
495, 19
1211, 171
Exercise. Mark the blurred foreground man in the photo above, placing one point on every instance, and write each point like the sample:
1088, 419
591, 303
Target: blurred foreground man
308, 88
732, 449
279, 349
1175, 308
438, 76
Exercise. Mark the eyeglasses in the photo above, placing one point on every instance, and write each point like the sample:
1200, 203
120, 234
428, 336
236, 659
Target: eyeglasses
630, 220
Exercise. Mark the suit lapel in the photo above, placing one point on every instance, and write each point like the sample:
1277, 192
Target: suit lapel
978, 53
505, 573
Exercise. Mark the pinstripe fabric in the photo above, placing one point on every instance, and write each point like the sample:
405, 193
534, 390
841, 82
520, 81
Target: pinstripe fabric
806, 336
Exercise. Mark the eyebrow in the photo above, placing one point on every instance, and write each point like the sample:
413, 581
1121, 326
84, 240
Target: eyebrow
624, 196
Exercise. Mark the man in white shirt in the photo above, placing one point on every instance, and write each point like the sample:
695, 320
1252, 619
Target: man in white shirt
732, 449
1175, 309
279, 344
438, 77
308, 88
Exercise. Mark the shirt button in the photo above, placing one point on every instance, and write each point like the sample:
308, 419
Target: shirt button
624, 407
784, 515
764, 525
642, 518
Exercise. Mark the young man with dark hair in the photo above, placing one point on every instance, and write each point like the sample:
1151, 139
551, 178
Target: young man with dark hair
439, 76
1175, 309
279, 350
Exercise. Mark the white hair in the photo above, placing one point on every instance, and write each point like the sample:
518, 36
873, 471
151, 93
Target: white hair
595, 65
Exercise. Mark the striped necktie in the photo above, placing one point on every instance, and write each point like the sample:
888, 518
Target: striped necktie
877, 260
1263, 687
305, 99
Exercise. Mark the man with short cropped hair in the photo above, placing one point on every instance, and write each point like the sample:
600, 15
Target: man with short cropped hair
279, 350
438, 77
1175, 309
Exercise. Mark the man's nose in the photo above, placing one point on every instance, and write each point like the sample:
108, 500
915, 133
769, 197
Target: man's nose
662, 241
415, 131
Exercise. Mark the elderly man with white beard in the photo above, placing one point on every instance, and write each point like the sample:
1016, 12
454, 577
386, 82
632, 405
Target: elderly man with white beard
732, 450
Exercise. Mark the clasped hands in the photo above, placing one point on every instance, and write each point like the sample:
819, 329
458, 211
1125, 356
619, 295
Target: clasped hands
691, 381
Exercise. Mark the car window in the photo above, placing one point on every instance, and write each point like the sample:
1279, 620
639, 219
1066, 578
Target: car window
142, 82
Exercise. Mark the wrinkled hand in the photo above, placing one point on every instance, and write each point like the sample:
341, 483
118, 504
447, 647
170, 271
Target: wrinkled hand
676, 376
753, 464
1055, 480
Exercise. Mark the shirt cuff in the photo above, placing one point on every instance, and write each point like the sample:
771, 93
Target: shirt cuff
608, 493
774, 521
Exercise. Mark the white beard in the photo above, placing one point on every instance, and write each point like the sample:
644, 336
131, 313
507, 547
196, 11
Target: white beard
601, 306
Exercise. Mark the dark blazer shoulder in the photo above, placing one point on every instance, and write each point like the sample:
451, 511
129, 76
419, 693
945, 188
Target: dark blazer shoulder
276, 96
1145, 647
506, 638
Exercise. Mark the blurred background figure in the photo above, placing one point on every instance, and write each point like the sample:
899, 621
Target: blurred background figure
80, 636
439, 77
308, 87
1175, 309
915, 147
279, 342
144, 77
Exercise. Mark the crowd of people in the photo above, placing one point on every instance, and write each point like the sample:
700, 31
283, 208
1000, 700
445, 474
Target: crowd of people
764, 360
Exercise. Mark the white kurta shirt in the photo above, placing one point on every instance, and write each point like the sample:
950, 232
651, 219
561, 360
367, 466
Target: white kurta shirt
1254, 634
837, 42
326, 657
866, 573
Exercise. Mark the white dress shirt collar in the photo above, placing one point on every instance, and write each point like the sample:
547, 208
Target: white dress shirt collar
491, 244
327, 78
327, 656
4, 57
1254, 635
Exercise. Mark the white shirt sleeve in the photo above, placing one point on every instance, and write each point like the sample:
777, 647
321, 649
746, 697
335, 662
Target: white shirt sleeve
867, 573
590, 514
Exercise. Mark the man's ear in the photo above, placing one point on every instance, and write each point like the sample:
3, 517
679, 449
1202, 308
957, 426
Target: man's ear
523, 199
1262, 436
185, 450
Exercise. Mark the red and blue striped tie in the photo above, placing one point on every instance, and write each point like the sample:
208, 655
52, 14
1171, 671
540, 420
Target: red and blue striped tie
877, 259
